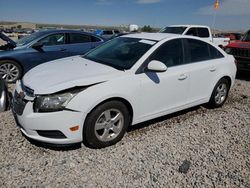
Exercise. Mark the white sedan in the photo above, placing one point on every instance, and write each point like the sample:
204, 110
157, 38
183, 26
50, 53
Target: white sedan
128, 80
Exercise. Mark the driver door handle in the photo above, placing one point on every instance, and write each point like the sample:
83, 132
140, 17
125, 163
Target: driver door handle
182, 77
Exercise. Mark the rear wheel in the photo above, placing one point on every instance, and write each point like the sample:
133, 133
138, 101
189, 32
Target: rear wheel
106, 124
10, 71
220, 93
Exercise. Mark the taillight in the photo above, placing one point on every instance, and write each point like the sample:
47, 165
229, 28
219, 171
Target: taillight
235, 61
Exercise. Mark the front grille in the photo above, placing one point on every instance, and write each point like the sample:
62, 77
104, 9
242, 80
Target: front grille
240, 52
18, 103
51, 134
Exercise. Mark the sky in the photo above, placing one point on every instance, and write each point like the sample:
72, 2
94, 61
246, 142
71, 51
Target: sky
231, 15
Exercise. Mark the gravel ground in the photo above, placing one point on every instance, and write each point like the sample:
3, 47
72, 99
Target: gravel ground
198, 147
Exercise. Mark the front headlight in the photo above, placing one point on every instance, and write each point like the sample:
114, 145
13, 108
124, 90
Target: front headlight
228, 50
52, 103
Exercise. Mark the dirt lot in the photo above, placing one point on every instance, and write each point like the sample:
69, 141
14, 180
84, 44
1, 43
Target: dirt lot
198, 147
2, 42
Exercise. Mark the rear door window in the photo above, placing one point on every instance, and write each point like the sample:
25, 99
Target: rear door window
108, 32
95, 39
75, 38
197, 51
192, 31
203, 32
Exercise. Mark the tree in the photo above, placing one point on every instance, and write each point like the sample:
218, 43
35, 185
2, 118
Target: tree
147, 28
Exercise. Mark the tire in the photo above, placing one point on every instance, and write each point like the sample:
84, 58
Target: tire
3, 96
220, 94
102, 129
10, 71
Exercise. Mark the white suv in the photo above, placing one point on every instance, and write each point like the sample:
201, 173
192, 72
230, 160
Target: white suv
128, 80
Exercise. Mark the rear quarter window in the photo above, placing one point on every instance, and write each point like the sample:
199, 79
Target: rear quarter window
214, 53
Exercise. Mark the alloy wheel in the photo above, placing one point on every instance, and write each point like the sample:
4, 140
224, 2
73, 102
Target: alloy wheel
9, 72
221, 93
109, 125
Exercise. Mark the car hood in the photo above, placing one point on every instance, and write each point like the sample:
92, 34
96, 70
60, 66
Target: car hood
239, 44
7, 39
70, 72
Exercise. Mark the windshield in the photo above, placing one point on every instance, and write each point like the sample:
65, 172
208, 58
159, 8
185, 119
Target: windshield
174, 30
246, 37
27, 39
120, 53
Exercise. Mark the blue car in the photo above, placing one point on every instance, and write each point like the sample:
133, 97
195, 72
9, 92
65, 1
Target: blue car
107, 34
17, 58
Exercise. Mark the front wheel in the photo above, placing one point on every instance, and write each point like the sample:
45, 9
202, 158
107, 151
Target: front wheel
106, 124
3, 96
10, 71
220, 93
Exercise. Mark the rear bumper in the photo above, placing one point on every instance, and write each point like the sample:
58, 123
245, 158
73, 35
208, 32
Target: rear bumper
243, 64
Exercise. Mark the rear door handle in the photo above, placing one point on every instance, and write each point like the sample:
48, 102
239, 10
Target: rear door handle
212, 69
182, 77
63, 49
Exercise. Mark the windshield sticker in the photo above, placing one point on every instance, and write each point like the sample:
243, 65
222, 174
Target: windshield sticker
147, 41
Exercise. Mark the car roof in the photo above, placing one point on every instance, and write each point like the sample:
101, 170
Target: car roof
204, 26
151, 36
51, 31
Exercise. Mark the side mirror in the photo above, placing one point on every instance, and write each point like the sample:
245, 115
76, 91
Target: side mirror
157, 66
4, 98
37, 46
